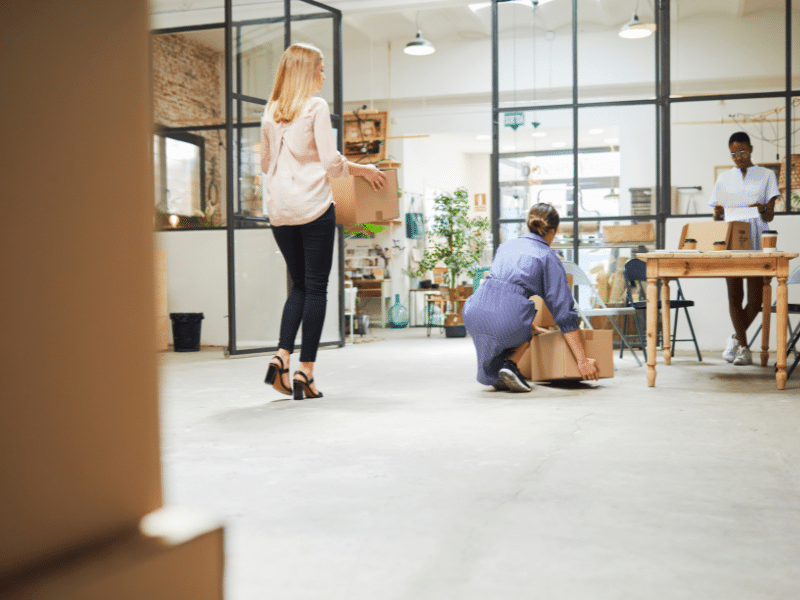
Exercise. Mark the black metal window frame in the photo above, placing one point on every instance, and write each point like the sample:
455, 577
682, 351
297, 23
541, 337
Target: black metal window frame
662, 102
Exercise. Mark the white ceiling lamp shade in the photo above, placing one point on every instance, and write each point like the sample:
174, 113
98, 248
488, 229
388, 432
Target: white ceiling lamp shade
419, 46
634, 28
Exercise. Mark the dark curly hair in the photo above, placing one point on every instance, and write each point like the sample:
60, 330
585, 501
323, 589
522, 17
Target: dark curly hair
741, 137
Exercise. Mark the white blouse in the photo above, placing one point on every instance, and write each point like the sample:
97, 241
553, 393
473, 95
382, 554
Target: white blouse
759, 184
298, 159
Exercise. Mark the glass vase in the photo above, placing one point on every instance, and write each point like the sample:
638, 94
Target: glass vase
398, 314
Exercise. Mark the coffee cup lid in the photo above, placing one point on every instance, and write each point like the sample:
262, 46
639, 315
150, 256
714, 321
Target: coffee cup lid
768, 231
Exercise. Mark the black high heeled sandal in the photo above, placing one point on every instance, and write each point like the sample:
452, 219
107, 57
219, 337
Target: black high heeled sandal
276, 373
304, 387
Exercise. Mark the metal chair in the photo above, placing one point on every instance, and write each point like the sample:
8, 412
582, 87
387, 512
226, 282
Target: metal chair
636, 297
793, 333
434, 299
599, 309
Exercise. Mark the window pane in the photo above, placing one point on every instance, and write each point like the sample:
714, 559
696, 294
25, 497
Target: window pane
535, 65
185, 14
714, 50
189, 78
702, 129
611, 67
617, 160
313, 25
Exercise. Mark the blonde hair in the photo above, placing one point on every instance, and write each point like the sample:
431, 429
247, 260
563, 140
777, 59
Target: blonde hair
543, 218
295, 82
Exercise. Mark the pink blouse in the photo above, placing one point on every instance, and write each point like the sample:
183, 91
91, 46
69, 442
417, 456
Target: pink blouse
298, 159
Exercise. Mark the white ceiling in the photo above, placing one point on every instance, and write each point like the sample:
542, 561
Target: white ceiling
382, 20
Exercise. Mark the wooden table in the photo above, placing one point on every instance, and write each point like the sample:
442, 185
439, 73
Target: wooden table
667, 266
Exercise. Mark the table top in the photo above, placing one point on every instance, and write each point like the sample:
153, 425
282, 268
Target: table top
716, 254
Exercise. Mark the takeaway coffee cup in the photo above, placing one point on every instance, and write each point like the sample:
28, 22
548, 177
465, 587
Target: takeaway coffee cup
718, 246
769, 240
689, 244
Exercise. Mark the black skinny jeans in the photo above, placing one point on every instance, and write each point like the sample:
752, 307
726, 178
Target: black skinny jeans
308, 251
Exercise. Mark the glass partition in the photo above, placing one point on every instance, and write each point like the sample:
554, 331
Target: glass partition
531, 67
611, 67
712, 50
700, 133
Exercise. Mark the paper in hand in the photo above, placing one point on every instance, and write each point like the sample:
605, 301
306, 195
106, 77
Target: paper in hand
737, 206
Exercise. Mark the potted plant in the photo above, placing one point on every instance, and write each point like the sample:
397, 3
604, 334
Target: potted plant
455, 241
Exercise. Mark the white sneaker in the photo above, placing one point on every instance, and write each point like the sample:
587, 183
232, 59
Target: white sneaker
730, 350
743, 356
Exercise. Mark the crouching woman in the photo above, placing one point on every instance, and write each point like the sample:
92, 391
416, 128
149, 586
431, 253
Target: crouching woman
499, 314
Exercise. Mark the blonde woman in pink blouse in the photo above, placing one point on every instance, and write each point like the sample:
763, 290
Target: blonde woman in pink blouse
298, 158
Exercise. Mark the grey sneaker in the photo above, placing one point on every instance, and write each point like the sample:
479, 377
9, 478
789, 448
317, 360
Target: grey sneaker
743, 356
730, 350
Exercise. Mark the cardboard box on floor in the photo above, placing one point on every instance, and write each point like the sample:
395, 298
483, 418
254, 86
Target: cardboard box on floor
735, 234
357, 202
549, 358
544, 317
184, 560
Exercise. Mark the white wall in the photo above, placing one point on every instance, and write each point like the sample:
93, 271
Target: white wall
197, 281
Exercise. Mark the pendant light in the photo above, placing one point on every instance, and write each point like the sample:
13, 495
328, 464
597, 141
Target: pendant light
636, 29
419, 46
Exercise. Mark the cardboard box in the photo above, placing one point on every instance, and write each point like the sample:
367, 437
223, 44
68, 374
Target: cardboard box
357, 202
544, 317
186, 560
736, 234
79, 418
551, 358
640, 232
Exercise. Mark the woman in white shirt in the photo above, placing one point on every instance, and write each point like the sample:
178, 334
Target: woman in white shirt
760, 185
298, 158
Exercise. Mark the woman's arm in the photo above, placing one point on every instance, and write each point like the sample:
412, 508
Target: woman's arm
264, 150
375, 177
768, 212
332, 161
587, 366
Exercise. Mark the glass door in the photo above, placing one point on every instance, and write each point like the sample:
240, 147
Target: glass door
258, 283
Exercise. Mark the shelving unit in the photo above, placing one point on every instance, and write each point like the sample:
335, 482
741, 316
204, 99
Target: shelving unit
365, 135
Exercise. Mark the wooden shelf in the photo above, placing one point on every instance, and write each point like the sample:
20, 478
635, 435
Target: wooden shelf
369, 130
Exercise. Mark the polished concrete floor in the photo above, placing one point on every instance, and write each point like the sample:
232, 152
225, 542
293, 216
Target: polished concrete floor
409, 480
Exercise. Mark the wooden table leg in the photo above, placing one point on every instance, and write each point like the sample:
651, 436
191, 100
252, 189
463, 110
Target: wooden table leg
766, 312
652, 329
782, 308
665, 324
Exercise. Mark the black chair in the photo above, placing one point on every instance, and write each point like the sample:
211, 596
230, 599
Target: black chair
793, 333
636, 296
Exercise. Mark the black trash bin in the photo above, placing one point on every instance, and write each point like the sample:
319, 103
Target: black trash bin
186, 331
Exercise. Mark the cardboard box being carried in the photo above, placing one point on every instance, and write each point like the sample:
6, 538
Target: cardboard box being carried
551, 358
357, 202
544, 317
735, 234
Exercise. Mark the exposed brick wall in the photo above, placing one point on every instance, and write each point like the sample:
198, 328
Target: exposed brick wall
188, 90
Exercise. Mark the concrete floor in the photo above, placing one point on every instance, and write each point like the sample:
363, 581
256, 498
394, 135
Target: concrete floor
411, 481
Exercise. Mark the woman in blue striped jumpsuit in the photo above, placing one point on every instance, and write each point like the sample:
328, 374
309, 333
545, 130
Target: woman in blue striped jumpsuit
499, 314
